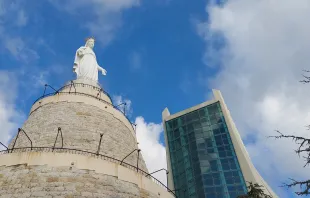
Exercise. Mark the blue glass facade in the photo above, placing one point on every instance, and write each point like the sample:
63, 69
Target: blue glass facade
203, 160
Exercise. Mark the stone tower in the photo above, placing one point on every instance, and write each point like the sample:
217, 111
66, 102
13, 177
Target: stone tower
76, 143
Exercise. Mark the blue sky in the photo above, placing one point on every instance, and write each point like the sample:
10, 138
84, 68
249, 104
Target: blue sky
168, 53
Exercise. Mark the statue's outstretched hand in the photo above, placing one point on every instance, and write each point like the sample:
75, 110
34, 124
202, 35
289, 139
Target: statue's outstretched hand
104, 72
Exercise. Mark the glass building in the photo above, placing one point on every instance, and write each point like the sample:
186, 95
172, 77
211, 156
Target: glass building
205, 154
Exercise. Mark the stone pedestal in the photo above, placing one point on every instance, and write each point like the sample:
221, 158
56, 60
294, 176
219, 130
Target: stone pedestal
82, 110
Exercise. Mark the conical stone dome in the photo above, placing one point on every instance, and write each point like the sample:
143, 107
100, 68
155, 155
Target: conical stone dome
76, 143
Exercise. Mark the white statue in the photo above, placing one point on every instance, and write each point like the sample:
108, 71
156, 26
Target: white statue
85, 62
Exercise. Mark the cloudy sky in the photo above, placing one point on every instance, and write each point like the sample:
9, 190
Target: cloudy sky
170, 53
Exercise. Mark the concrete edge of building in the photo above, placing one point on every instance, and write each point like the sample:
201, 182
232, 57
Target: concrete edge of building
250, 173
85, 163
165, 114
109, 108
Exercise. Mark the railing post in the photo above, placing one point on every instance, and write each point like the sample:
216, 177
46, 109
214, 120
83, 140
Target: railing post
125, 108
4, 146
138, 160
15, 140
98, 150
124, 103
134, 126
44, 90
62, 140
19, 130
128, 155
72, 84
26, 136
167, 172
99, 93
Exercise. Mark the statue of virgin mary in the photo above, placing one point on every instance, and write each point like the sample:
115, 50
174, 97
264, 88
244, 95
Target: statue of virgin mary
85, 62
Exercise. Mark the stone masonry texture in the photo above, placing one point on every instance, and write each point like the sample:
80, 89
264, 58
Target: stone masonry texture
81, 125
22, 181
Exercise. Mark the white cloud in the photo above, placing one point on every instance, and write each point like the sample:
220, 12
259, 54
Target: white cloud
21, 19
153, 151
40, 79
101, 17
135, 60
267, 46
9, 117
148, 137
119, 101
13, 15
18, 49
2, 8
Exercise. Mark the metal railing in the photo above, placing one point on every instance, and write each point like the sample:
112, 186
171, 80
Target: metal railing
88, 153
84, 152
98, 97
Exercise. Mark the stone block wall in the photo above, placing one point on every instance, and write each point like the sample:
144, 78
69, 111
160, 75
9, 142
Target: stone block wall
81, 125
22, 181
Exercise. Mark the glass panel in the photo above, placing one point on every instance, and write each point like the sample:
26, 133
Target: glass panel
213, 165
190, 127
192, 190
225, 141
197, 125
199, 135
233, 166
217, 181
185, 152
189, 117
184, 140
202, 113
175, 124
201, 146
179, 122
233, 194
210, 150
205, 169
171, 146
193, 196
216, 132
182, 130
169, 126
221, 148
212, 109
204, 122
209, 142
195, 115
176, 133
225, 166
208, 182
179, 155
222, 128
218, 140
222, 154
229, 181
198, 149
191, 136
229, 153
177, 143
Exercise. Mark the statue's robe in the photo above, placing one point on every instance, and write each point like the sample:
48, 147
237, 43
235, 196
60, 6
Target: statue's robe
85, 64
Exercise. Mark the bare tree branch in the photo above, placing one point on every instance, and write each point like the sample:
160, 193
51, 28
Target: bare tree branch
303, 148
304, 144
306, 78
304, 186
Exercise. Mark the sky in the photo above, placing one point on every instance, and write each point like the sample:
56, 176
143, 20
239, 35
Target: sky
170, 53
